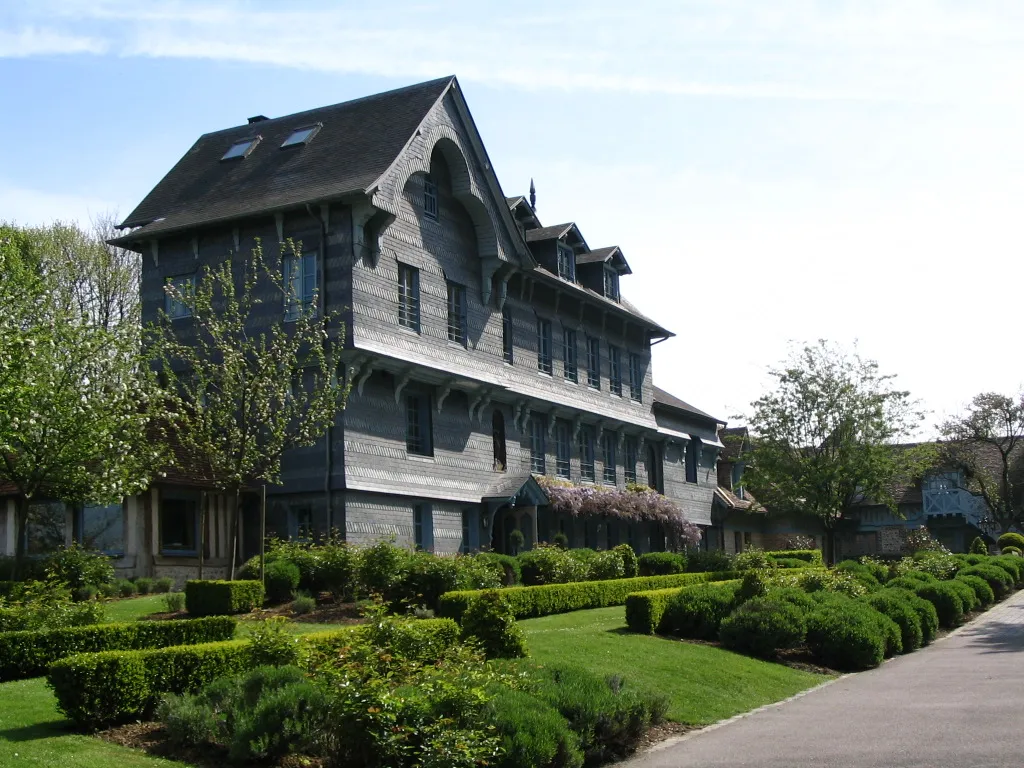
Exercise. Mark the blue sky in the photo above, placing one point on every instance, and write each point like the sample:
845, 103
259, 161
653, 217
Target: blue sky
775, 171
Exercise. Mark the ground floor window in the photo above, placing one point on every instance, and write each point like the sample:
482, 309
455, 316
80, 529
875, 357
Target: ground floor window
102, 528
46, 529
423, 526
179, 525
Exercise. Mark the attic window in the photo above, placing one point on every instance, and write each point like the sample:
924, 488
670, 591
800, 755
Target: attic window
611, 283
241, 148
301, 135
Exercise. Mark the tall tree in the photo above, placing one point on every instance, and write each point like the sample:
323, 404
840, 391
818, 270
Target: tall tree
253, 374
74, 394
824, 438
986, 444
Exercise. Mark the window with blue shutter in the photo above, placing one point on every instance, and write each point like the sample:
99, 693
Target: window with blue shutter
300, 284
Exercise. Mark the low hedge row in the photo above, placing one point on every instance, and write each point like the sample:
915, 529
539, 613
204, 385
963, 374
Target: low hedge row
96, 690
644, 610
528, 602
810, 556
221, 598
29, 653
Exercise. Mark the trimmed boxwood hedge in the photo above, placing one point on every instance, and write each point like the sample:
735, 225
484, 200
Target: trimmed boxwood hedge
846, 635
644, 610
966, 593
925, 611
998, 579
762, 626
946, 600
809, 556
981, 588
891, 604
1013, 565
96, 690
698, 612
661, 563
28, 654
221, 598
546, 599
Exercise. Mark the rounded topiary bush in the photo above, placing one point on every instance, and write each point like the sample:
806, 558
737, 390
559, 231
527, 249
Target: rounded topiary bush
661, 563
281, 578
761, 626
842, 636
967, 595
1012, 565
1011, 540
630, 562
904, 582
998, 578
1015, 551
925, 612
698, 611
978, 546
922, 576
888, 603
946, 600
489, 619
982, 591
794, 596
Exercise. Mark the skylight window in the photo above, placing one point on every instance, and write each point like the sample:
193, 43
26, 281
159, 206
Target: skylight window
301, 136
241, 148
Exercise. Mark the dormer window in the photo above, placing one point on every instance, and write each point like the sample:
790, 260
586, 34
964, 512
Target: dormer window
242, 148
611, 284
301, 136
430, 198
566, 263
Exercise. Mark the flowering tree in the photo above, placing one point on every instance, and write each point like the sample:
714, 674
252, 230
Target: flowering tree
74, 392
242, 392
636, 504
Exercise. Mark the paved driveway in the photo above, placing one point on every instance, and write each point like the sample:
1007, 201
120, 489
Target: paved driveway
958, 702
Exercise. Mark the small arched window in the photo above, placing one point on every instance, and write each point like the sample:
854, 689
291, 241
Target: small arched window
498, 438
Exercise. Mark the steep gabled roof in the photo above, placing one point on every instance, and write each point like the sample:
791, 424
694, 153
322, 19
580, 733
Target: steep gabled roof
358, 142
667, 400
612, 253
548, 233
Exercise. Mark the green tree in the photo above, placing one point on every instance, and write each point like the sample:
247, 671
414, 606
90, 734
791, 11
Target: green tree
74, 394
986, 445
254, 373
825, 438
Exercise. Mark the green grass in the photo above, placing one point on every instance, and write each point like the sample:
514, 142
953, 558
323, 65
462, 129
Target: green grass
33, 732
134, 608
703, 684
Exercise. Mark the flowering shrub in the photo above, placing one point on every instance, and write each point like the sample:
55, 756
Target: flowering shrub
636, 504
919, 539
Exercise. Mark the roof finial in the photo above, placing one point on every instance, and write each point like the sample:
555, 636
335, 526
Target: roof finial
533, 196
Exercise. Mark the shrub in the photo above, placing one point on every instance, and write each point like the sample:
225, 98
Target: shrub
81, 594
544, 600
382, 568
878, 569
213, 598
809, 556
303, 604
1012, 565
891, 604
751, 559
941, 565
188, 719
978, 546
489, 619
281, 578
972, 559
712, 560
821, 579
1011, 540
661, 563
1016, 552
630, 562
792, 595
761, 626
845, 638
967, 594
916, 575
789, 562
47, 605
998, 579
754, 584
982, 591
174, 602
946, 600
28, 653
282, 720
560, 540
532, 732
924, 609
78, 567
509, 565
163, 585
126, 588
272, 644
143, 585
551, 565
698, 612
109, 590
607, 565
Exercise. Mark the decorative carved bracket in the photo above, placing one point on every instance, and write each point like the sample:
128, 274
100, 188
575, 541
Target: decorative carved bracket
621, 441
488, 267
641, 445
552, 420
401, 384
368, 224
446, 390
576, 424
482, 408
502, 292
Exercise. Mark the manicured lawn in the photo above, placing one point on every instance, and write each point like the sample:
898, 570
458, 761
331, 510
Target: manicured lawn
134, 608
33, 732
704, 684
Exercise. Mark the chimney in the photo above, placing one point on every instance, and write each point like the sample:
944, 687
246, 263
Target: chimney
257, 119
533, 196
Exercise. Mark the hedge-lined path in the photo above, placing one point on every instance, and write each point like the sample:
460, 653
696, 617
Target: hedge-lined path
956, 703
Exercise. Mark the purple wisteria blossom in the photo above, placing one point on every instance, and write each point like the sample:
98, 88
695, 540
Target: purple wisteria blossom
638, 504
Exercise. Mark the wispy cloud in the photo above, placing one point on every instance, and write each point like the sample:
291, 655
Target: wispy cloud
40, 41
749, 50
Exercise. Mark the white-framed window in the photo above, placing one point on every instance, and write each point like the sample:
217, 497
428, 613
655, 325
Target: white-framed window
300, 284
179, 287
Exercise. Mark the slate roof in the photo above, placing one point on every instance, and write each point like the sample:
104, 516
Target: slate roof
663, 398
732, 501
735, 440
359, 141
548, 233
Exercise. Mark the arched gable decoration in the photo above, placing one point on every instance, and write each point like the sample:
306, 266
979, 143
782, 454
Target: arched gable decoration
445, 140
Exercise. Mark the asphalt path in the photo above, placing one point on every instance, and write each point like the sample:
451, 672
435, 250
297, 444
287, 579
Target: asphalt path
957, 703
